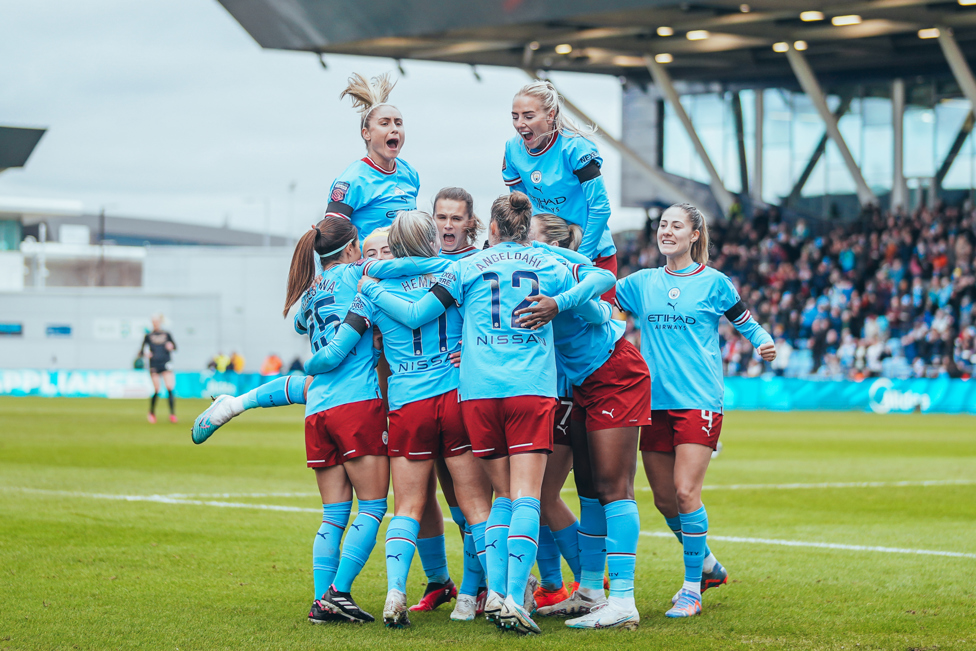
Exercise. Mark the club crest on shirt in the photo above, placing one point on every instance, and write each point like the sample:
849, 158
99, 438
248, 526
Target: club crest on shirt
339, 190
536, 176
674, 293
397, 192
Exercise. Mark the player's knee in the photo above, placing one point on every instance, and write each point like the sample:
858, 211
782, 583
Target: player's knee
610, 489
411, 505
689, 497
666, 504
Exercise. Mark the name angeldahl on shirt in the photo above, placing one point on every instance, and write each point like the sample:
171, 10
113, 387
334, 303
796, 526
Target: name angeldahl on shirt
526, 258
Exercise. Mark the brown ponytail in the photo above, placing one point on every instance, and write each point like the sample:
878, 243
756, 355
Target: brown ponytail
699, 248
325, 237
512, 213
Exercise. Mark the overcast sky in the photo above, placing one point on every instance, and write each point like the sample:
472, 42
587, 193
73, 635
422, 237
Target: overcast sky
168, 108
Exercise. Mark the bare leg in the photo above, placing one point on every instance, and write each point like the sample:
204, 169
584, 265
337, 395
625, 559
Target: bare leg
554, 511
690, 463
582, 472
156, 380
659, 468
432, 518
473, 487
370, 476
170, 380
613, 458
410, 486
519, 475
333, 484
447, 482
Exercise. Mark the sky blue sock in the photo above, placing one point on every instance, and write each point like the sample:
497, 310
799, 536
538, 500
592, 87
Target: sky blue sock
287, 390
496, 545
623, 530
474, 576
694, 529
458, 516
401, 542
550, 565
325, 549
433, 556
478, 534
592, 543
523, 544
674, 524
567, 540
359, 542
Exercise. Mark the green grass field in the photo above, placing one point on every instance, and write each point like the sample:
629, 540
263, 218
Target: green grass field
90, 560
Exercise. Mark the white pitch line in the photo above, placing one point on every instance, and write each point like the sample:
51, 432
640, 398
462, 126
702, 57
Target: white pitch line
165, 499
183, 496
851, 484
819, 545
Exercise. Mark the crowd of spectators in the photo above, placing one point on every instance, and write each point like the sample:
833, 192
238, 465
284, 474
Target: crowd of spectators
888, 294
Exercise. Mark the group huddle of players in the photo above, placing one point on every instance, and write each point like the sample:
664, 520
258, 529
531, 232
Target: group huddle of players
496, 370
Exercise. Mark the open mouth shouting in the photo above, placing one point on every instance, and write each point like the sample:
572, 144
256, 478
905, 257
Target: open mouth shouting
448, 240
393, 144
527, 136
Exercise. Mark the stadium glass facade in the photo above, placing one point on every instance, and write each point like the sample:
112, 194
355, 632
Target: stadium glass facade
793, 129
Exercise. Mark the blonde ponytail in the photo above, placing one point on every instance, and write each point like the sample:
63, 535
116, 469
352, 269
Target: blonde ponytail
550, 100
367, 95
558, 230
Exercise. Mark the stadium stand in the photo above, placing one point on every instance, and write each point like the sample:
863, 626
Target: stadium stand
887, 295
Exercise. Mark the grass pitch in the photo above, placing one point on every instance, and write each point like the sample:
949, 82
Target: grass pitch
117, 534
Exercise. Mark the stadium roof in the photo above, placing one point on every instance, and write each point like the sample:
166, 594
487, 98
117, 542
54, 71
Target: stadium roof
16, 145
876, 39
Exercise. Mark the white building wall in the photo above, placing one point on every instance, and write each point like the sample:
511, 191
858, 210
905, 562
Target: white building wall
107, 326
215, 299
251, 283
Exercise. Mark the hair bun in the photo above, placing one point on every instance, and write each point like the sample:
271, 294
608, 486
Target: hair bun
520, 202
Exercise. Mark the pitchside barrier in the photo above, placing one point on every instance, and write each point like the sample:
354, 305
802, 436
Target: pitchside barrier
880, 395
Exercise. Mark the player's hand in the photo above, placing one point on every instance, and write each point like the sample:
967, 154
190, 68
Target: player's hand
170, 346
768, 352
538, 315
362, 281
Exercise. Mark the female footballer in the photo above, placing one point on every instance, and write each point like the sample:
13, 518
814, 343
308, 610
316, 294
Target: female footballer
612, 397
552, 161
457, 229
678, 307
345, 420
371, 191
368, 193
425, 417
158, 346
280, 392
507, 385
